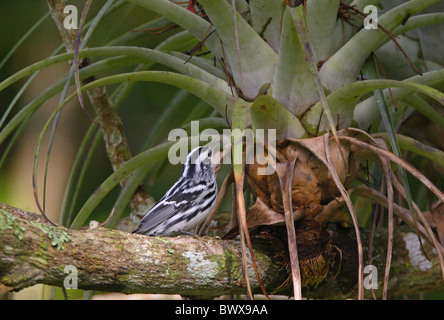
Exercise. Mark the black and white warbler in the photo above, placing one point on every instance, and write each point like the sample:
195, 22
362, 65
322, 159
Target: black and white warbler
188, 202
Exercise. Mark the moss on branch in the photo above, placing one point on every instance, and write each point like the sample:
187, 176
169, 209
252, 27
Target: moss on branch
112, 260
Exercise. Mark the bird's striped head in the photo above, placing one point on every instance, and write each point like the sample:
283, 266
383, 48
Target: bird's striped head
198, 161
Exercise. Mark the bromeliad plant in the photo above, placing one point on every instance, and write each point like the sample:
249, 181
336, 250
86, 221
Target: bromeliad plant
309, 71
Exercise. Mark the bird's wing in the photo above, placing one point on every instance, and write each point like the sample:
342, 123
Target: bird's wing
166, 208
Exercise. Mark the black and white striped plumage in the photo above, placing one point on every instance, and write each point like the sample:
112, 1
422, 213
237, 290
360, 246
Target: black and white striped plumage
188, 202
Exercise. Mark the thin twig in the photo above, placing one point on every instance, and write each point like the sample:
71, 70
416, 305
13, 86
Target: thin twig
388, 33
392, 157
390, 198
243, 227
425, 223
243, 246
347, 200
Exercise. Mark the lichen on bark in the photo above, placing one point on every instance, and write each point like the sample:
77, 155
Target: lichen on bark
8, 221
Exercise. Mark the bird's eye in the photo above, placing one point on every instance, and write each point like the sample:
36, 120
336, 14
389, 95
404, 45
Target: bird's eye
210, 153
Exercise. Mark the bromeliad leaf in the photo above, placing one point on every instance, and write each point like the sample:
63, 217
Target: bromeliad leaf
342, 102
267, 113
266, 19
343, 67
366, 112
322, 25
293, 83
254, 63
197, 26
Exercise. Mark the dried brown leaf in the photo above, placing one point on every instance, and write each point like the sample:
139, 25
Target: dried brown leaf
285, 172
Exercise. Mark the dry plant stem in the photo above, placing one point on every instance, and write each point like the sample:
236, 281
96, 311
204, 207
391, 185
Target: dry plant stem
243, 230
390, 198
375, 214
385, 165
116, 143
390, 156
375, 218
379, 198
243, 247
234, 219
347, 199
404, 214
220, 196
285, 171
426, 225
68, 35
387, 154
388, 33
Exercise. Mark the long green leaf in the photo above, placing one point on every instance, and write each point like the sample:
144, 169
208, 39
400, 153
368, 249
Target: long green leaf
417, 147
266, 20
133, 52
343, 101
267, 113
253, 62
299, 23
321, 24
33, 105
197, 26
372, 73
366, 112
343, 67
422, 106
150, 156
293, 83
218, 99
419, 21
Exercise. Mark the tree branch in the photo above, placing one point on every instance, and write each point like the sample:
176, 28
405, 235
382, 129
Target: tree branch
32, 252
111, 260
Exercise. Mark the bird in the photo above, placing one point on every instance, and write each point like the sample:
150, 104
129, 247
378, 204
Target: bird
188, 202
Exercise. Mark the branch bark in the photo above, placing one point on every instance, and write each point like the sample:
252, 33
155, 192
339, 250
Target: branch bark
32, 252
111, 260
